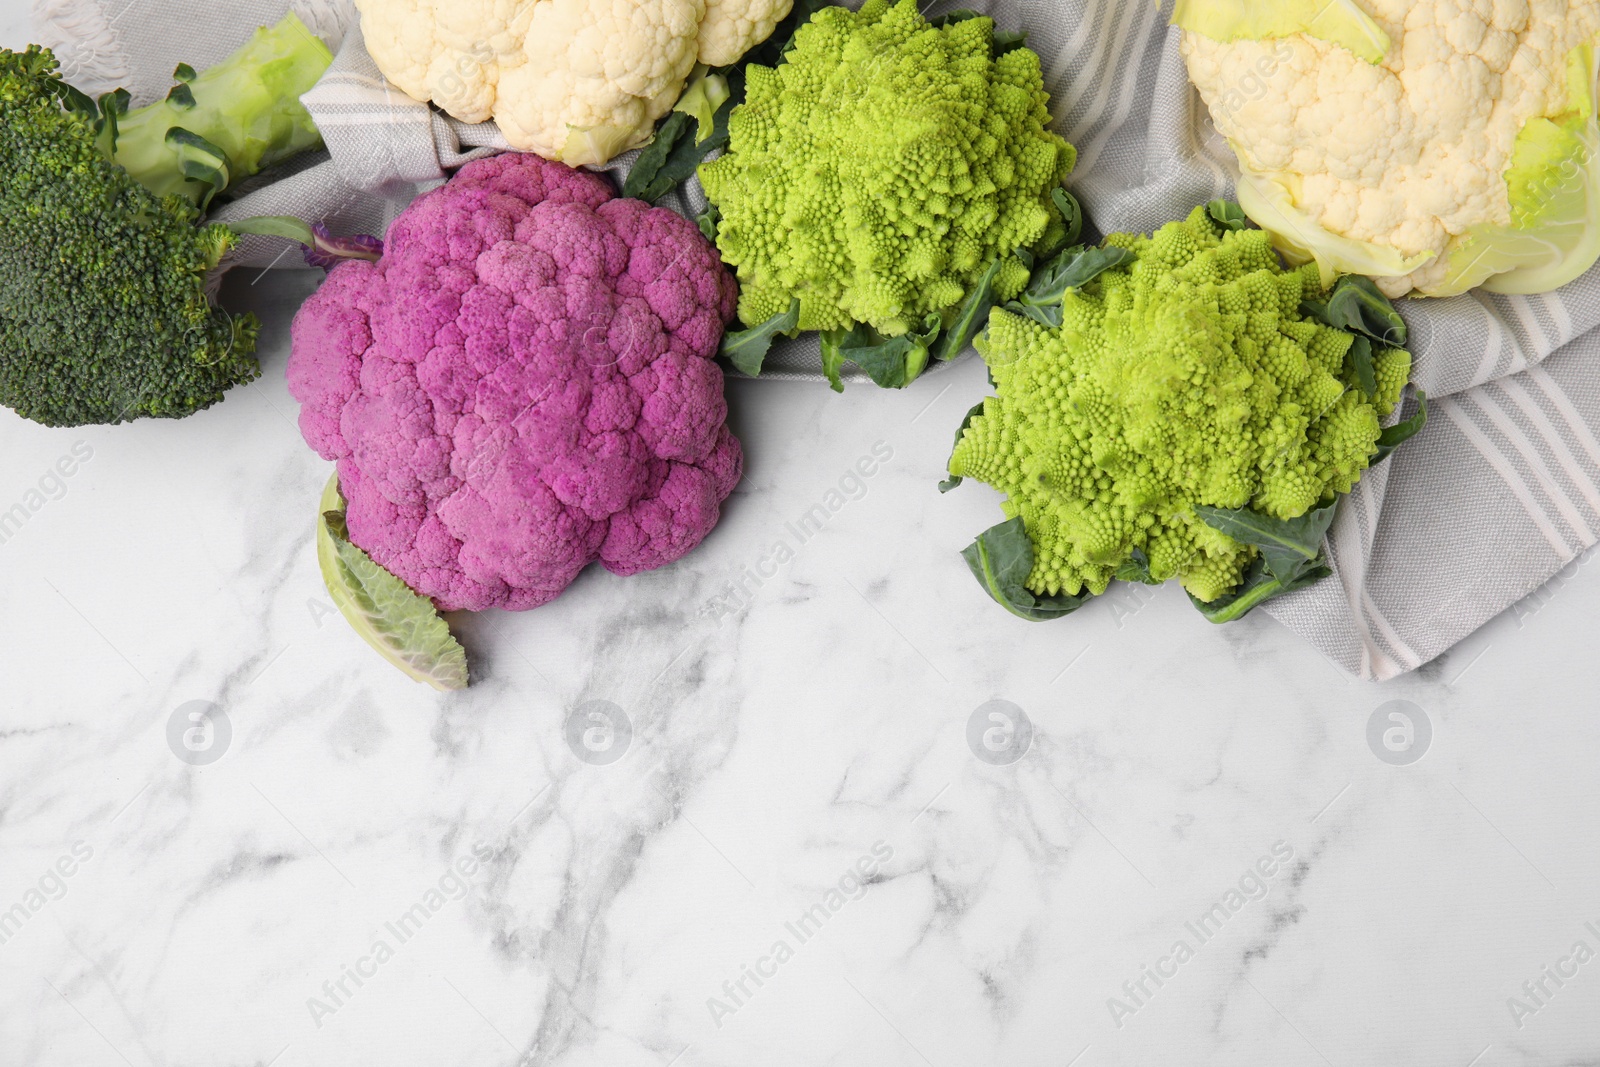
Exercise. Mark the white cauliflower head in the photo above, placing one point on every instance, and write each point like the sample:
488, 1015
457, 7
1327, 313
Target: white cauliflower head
579, 81
732, 27
1435, 145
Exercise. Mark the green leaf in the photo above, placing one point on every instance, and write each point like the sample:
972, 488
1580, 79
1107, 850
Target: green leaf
1136, 568
1072, 269
1357, 305
833, 342
181, 96
1049, 316
970, 318
1360, 356
1287, 545
1008, 41
707, 220
404, 627
200, 161
77, 101
956, 479
695, 128
1001, 559
891, 362
295, 229
1228, 215
922, 346
184, 73
950, 18
111, 107
320, 247
1071, 213
644, 181
1258, 587
1401, 432
706, 94
747, 349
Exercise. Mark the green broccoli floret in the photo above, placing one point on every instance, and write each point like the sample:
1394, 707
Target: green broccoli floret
880, 169
104, 315
1185, 377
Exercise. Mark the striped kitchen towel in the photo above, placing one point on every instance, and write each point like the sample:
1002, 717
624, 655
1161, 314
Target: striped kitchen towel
1498, 494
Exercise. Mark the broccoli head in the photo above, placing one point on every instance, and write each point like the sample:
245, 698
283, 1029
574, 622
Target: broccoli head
104, 257
1186, 376
878, 171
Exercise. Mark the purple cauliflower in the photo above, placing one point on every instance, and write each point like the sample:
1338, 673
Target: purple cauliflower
522, 385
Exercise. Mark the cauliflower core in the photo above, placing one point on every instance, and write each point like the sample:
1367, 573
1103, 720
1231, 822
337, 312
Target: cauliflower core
1410, 153
575, 80
524, 384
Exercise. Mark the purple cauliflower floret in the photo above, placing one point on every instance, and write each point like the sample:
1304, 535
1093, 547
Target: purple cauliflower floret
522, 385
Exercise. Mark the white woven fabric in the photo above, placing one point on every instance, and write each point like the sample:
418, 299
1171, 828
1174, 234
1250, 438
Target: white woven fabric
1498, 494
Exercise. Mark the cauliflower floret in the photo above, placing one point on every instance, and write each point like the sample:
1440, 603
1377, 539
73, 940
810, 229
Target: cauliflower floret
1411, 152
732, 27
597, 74
524, 384
574, 80
1186, 378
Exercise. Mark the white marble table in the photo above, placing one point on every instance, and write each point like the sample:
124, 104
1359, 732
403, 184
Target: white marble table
792, 845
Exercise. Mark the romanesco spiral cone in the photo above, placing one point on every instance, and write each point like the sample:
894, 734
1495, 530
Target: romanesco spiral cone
882, 167
1186, 377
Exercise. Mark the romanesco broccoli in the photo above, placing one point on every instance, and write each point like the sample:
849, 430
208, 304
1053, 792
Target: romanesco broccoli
1186, 377
880, 169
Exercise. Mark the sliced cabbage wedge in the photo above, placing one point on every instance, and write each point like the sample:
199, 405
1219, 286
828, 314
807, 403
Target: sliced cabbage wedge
405, 628
1340, 22
1271, 205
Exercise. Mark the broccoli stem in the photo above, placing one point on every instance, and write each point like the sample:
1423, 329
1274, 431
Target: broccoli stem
217, 128
322, 248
